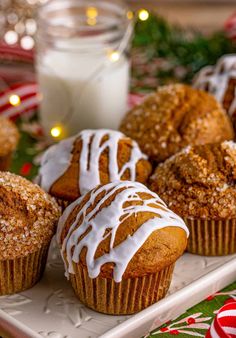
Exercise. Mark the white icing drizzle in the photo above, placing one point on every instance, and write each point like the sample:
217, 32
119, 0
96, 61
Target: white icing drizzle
57, 159
109, 219
55, 162
217, 79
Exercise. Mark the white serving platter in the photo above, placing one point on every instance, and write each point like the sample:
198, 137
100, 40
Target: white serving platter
51, 310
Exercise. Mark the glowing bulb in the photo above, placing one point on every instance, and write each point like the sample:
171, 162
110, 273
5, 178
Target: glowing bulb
56, 131
91, 12
27, 42
143, 15
14, 100
11, 37
91, 21
114, 56
130, 15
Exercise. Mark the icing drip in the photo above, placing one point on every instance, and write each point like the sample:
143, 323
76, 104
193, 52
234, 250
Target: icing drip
216, 79
55, 162
57, 159
108, 219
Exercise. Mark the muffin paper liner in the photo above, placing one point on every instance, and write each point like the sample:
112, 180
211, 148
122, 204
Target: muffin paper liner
211, 237
22, 273
62, 203
129, 296
5, 162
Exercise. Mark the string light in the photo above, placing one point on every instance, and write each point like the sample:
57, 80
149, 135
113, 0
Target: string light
130, 15
30, 26
91, 21
143, 14
27, 42
56, 131
114, 56
92, 14
14, 100
11, 37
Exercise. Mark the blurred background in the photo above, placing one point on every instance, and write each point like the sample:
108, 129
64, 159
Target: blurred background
205, 15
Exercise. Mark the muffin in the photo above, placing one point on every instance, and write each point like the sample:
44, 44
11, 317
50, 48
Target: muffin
28, 218
198, 184
9, 137
174, 117
74, 166
119, 243
220, 81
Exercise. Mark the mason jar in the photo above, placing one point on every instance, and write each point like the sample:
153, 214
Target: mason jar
82, 65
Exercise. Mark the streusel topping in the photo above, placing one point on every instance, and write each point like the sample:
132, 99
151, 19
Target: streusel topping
174, 117
28, 216
199, 181
9, 136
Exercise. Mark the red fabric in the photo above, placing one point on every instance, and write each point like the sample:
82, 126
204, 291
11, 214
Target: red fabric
16, 53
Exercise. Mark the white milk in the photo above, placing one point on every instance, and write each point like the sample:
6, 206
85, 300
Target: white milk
81, 90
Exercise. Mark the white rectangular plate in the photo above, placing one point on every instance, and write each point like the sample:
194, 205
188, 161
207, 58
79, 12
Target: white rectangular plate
51, 310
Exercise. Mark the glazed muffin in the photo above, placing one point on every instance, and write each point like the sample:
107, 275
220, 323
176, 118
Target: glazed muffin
220, 81
199, 185
119, 243
28, 218
174, 117
74, 166
9, 137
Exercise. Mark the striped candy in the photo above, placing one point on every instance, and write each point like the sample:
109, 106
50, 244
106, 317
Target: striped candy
29, 100
224, 325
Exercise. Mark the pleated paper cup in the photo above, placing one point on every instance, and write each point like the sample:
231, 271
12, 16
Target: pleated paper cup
63, 203
211, 237
22, 273
5, 162
129, 296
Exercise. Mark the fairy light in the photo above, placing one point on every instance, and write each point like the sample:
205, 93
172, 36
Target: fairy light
30, 26
130, 15
11, 37
56, 131
143, 14
27, 42
114, 56
92, 14
14, 100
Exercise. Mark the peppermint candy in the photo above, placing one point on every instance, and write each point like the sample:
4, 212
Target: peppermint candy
224, 325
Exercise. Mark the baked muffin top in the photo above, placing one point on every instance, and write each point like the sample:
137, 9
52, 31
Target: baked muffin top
120, 230
174, 117
199, 181
77, 165
28, 217
9, 136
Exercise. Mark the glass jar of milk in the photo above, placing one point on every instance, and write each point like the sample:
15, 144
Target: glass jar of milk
82, 65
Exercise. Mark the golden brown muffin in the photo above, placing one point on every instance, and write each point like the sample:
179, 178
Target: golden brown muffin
28, 218
198, 184
220, 81
9, 137
119, 243
174, 117
76, 165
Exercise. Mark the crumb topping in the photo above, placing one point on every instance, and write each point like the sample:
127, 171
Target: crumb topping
174, 117
28, 216
9, 136
199, 181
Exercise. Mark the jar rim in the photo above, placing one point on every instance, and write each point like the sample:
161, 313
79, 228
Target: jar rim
80, 18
